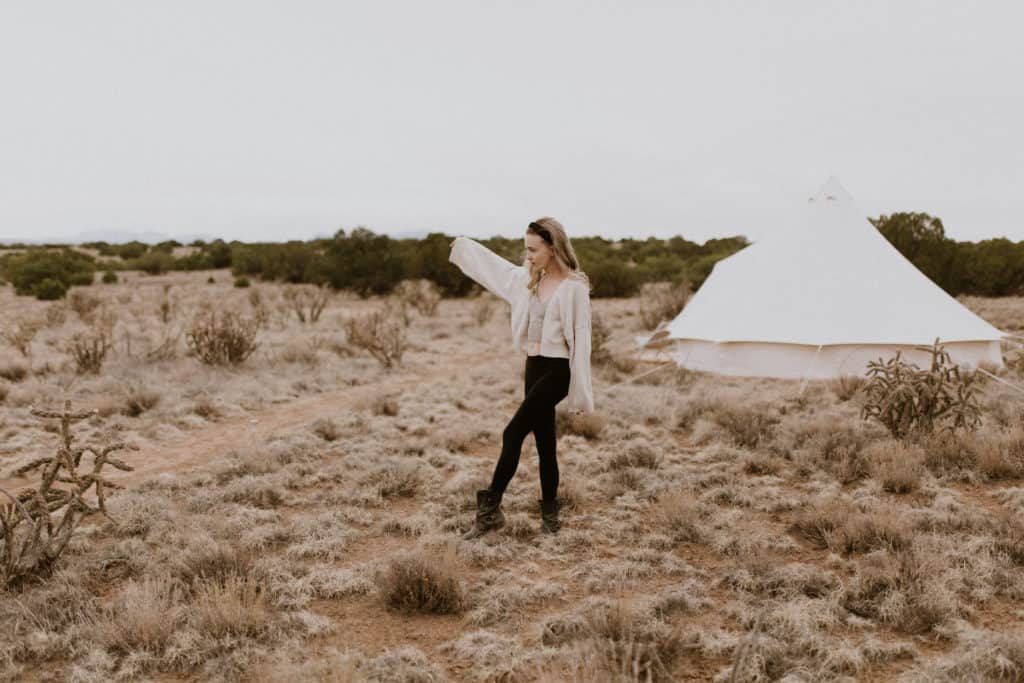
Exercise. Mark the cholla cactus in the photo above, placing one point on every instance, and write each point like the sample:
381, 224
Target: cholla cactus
37, 524
909, 400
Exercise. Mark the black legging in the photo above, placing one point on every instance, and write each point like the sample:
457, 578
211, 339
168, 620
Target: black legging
547, 383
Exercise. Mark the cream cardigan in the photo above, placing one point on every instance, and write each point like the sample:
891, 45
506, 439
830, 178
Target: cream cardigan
568, 313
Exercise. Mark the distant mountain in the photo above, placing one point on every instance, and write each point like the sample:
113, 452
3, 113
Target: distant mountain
122, 236
410, 234
152, 238
111, 237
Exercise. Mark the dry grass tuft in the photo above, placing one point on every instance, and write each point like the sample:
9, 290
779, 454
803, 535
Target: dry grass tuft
1001, 412
300, 353
1009, 539
639, 453
255, 491
983, 656
897, 466
422, 581
384, 405
461, 440
838, 526
759, 464
689, 411
206, 407
615, 642
948, 453
490, 657
747, 427
143, 617
13, 372
326, 428
395, 480
34, 618
587, 425
330, 667
211, 562
234, 607
407, 664
835, 447
793, 580
138, 399
508, 595
847, 386
680, 516
323, 536
1000, 455
904, 590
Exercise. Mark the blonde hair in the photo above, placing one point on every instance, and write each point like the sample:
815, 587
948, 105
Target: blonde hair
563, 252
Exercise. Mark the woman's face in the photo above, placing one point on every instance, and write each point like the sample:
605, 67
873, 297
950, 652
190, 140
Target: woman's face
538, 252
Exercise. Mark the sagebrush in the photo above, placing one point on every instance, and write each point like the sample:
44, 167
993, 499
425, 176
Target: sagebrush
662, 301
381, 333
225, 339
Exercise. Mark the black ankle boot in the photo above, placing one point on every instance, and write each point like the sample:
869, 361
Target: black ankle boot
549, 517
488, 514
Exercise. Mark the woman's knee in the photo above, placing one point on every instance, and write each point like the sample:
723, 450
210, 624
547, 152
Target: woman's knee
514, 432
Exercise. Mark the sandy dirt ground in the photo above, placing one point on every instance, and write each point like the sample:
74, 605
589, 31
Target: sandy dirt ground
300, 517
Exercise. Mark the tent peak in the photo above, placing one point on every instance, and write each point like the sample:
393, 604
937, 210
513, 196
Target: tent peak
831, 192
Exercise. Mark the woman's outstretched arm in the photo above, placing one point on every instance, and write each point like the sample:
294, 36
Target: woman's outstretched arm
496, 274
577, 324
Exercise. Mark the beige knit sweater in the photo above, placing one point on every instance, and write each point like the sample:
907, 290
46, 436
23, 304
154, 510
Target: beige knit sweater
568, 313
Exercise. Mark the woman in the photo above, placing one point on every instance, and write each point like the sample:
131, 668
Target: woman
550, 298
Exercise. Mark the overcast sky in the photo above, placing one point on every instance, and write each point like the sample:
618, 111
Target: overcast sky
282, 120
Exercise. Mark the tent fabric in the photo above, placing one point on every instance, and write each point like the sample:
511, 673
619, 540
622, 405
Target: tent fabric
798, 361
820, 299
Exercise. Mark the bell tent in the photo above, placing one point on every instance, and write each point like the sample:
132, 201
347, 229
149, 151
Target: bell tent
819, 301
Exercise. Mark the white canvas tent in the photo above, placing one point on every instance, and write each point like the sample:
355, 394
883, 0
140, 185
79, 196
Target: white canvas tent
817, 301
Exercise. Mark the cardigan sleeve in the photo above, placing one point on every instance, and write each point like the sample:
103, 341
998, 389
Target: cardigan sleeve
496, 274
576, 328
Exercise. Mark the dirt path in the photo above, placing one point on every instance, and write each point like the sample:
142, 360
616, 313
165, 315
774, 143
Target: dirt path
202, 446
